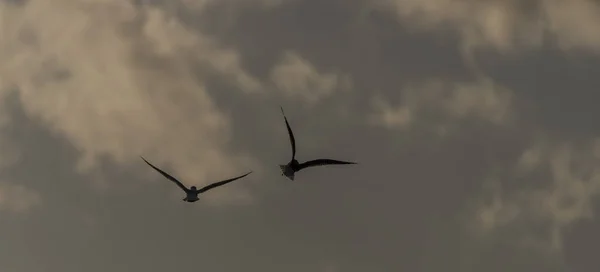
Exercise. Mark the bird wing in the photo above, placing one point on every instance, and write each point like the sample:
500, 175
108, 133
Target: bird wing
318, 162
185, 189
217, 184
289, 129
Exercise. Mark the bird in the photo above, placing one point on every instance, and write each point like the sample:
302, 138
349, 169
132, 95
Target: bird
192, 192
294, 166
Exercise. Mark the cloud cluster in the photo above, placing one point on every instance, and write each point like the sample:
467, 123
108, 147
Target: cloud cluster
446, 102
539, 212
117, 80
506, 25
298, 79
552, 184
17, 198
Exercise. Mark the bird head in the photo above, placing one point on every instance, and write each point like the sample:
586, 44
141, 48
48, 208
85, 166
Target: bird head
193, 188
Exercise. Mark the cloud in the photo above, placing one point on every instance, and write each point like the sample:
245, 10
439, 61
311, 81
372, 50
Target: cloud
119, 81
198, 5
297, 78
448, 102
552, 183
507, 25
576, 23
540, 212
17, 198
331, 267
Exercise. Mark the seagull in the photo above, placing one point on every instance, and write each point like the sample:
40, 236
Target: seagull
192, 193
294, 166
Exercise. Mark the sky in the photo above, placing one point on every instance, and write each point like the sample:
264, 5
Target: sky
474, 124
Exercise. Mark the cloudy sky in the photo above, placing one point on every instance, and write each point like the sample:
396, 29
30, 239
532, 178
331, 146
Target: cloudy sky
475, 124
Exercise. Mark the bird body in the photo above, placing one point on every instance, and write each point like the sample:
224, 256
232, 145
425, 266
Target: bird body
191, 196
294, 166
287, 171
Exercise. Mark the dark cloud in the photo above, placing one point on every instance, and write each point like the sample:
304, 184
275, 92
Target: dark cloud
453, 187
555, 90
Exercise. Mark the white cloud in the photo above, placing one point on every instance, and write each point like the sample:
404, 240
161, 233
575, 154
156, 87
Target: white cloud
495, 211
576, 23
449, 101
298, 78
507, 24
117, 80
17, 198
574, 179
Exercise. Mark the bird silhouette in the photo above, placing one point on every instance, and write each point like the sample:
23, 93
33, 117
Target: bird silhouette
294, 166
192, 193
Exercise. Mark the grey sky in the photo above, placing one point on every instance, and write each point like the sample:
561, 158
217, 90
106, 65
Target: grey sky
474, 123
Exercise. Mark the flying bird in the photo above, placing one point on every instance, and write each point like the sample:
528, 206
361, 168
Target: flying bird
294, 166
192, 193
